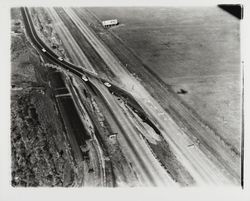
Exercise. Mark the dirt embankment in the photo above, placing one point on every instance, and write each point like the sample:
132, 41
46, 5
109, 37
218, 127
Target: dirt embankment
158, 146
40, 155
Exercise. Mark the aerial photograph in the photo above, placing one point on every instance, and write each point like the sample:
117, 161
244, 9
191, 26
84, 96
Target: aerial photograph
126, 96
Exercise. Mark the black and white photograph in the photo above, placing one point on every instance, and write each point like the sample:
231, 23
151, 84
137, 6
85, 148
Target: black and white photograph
126, 97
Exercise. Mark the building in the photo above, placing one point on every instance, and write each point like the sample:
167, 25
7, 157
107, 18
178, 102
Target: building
109, 23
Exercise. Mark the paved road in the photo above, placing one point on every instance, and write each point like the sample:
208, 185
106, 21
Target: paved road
72, 48
211, 143
201, 167
49, 54
149, 170
147, 167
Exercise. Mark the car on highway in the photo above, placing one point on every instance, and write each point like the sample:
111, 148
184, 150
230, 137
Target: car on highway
60, 58
107, 84
85, 78
43, 50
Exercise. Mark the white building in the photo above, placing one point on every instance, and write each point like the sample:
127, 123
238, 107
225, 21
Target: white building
109, 23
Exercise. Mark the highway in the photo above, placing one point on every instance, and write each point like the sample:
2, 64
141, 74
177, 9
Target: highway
149, 170
212, 142
42, 48
199, 165
72, 48
48, 53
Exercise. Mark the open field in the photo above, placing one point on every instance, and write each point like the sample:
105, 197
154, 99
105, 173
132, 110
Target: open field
217, 100
195, 49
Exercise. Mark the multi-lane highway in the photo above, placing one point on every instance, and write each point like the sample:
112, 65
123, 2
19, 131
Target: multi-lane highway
199, 165
69, 43
48, 53
149, 170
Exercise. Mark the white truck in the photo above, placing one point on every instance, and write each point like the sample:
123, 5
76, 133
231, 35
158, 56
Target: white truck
109, 23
